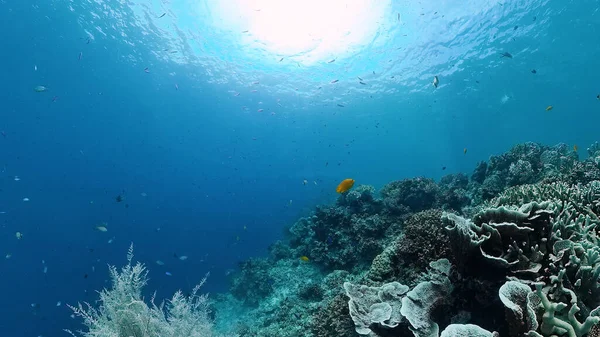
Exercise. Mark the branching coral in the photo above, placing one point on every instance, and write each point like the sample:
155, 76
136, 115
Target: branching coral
424, 239
360, 200
550, 242
521, 165
333, 319
453, 192
555, 322
252, 283
342, 236
414, 195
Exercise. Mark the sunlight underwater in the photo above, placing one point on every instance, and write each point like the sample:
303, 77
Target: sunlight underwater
236, 42
510, 250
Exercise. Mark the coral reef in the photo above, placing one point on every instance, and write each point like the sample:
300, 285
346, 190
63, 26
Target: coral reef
409, 195
511, 250
254, 282
453, 192
550, 243
333, 319
524, 164
345, 235
424, 239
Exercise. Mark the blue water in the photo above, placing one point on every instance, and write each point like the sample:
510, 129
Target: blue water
203, 172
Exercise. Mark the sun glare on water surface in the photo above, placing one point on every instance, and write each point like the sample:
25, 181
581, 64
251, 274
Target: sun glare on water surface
308, 30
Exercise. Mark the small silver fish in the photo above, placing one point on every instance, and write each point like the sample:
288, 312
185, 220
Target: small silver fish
40, 88
436, 81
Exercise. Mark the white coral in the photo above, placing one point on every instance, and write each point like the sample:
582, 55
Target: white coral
124, 313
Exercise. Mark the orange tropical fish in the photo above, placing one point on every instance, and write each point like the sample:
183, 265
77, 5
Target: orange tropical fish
304, 258
345, 185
